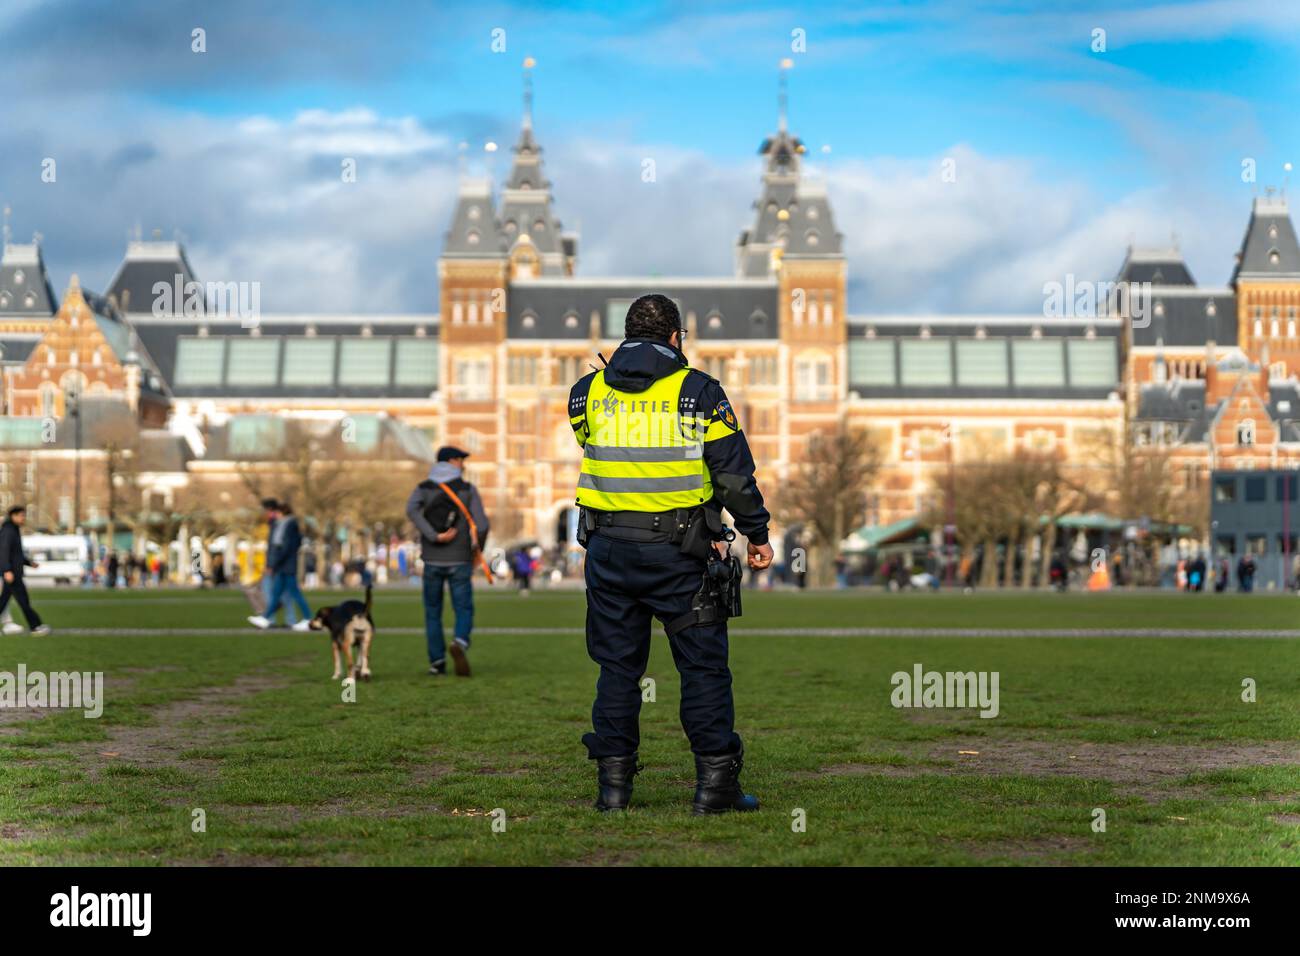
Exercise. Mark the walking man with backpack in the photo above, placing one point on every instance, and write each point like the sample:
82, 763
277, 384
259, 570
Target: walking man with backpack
448, 512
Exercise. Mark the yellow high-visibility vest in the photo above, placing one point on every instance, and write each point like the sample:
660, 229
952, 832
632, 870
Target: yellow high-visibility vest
639, 453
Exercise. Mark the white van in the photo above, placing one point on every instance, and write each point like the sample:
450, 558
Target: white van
61, 558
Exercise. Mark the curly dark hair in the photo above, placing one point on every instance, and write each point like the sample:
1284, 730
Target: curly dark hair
652, 316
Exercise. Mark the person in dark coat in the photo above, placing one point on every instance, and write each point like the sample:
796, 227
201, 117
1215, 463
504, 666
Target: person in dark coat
282, 565
13, 561
451, 542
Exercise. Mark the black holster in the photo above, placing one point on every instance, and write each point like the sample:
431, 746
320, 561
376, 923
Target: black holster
718, 597
704, 528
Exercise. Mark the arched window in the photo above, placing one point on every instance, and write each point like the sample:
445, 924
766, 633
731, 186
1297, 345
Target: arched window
1246, 432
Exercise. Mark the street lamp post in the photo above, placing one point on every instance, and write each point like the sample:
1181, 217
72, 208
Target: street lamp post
74, 403
950, 529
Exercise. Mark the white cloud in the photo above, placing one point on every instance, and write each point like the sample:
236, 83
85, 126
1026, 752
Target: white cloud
264, 200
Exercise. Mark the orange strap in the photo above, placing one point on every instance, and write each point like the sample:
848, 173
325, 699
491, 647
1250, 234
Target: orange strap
473, 532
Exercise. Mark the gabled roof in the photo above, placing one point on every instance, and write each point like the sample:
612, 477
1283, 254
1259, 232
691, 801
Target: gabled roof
791, 213
25, 290
16, 346
1159, 267
554, 308
1269, 249
1181, 316
475, 232
1177, 400
146, 265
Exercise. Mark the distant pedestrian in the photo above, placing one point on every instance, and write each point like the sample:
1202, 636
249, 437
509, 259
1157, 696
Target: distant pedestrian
521, 564
1246, 573
111, 567
282, 548
13, 561
448, 512
1221, 576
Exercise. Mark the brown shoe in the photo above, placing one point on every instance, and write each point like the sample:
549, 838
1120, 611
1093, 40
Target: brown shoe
459, 658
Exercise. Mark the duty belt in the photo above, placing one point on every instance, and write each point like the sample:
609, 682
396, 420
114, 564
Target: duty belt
673, 522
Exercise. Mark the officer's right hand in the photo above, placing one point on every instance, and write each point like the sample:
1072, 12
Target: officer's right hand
760, 556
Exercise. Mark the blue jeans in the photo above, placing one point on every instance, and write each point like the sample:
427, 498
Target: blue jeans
459, 579
286, 585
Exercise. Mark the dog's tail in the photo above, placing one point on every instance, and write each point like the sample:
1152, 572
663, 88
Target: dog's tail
367, 598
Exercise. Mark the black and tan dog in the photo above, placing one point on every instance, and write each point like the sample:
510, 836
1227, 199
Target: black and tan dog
350, 626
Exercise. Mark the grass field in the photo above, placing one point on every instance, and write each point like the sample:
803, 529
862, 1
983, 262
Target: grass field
248, 728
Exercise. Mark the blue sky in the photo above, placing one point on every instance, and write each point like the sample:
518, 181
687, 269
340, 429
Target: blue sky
1064, 154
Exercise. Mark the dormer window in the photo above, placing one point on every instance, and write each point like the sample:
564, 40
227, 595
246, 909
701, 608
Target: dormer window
1159, 309
539, 225
715, 321
511, 227
1272, 230
811, 237
812, 212
472, 237
1246, 432
1211, 309
1274, 256
19, 277
571, 320
473, 213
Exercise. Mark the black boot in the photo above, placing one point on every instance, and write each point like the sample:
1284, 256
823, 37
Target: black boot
614, 776
717, 783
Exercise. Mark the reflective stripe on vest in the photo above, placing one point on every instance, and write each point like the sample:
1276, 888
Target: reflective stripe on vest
640, 453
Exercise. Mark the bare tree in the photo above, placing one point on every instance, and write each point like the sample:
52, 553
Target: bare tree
1141, 481
826, 492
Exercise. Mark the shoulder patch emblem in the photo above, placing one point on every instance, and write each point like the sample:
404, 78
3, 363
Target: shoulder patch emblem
727, 416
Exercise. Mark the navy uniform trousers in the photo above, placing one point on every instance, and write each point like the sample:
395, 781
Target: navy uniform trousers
627, 582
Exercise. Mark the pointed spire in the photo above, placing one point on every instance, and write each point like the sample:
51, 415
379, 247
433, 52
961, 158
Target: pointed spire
782, 96
529, 63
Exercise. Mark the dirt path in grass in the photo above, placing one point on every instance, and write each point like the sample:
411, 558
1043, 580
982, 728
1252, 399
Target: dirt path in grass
1152, 771
176, 728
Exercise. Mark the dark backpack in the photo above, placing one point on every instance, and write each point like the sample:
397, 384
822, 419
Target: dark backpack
441, 512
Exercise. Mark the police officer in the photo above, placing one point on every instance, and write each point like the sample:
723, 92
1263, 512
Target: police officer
663, 454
